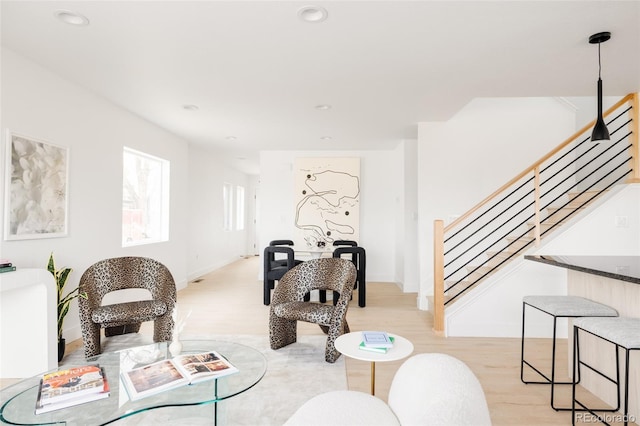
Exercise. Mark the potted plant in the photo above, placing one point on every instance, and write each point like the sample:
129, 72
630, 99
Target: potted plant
61, 276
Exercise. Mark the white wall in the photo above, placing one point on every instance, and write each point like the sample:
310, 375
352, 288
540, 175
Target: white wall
586, 107
462, 161
382, 179
599, 232
210, 246
407, 260
38, 103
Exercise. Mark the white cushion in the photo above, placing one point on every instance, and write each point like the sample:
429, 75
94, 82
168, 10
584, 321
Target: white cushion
622, 331
427, 389
570, 306
437, 389
343, 408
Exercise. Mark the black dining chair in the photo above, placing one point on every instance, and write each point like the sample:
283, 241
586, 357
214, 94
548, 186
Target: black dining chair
274, 269
281, 243
353, 258
349, 243
281, 261
359, 258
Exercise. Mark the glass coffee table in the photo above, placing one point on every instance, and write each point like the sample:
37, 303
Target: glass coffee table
18, 401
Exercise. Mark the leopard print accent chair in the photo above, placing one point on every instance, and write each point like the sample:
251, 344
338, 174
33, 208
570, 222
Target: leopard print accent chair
288, 305
122, 273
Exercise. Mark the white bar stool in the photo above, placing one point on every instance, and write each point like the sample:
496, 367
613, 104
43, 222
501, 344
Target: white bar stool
622, 332
558, 307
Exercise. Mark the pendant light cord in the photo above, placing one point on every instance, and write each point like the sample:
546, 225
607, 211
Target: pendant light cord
599, 63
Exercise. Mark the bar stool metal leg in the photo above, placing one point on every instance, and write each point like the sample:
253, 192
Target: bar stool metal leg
576, 365
608, 331
558, 307
548, 381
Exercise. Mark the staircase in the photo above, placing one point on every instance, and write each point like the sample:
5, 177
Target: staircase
532, 205
554, 217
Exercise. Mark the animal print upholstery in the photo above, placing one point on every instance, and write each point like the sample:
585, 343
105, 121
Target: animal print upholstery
288, 305
114, 315
121, 273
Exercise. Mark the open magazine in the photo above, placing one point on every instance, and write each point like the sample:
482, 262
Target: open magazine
178, 371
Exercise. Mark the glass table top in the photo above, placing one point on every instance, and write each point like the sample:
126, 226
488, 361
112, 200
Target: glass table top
18, 401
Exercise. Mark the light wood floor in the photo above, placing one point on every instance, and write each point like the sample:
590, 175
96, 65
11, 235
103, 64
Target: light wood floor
229, 301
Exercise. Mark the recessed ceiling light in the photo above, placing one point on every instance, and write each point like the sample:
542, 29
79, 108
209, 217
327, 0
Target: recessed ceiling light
326, 138
323, 107
313, 14
71, 18
190, 107
231, 138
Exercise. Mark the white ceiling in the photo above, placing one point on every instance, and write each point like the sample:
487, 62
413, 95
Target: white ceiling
256, 71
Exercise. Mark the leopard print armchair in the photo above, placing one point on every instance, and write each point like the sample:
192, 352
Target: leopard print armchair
288, 305
122, 273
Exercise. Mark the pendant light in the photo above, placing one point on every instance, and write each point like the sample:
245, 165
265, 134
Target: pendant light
600, 132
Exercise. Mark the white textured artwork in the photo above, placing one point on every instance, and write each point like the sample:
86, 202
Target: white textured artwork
36, 190
327, 200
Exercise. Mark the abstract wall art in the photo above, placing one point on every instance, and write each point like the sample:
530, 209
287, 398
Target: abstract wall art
36, 193
327, 200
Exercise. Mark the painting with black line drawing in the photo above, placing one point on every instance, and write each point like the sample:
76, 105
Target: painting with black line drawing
327, 200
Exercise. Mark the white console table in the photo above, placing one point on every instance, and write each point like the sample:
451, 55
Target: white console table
28, 323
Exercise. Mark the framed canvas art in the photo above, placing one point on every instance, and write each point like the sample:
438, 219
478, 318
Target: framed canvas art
327, 200
36, 193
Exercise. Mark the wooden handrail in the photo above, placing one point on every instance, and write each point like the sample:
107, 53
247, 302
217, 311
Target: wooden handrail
438, 273
539, 162
440, 230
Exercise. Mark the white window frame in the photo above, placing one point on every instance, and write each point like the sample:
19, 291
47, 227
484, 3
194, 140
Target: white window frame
158, 226
240, 208
227, 206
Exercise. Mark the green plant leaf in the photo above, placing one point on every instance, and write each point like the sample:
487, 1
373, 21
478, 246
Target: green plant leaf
51, 265
69, 297
61, 276
61, 315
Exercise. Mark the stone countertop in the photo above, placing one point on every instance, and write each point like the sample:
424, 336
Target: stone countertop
624, 268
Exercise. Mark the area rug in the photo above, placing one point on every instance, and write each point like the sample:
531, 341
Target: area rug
294, 374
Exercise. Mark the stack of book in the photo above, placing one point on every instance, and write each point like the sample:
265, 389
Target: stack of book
69, 387
376, 341
6, 266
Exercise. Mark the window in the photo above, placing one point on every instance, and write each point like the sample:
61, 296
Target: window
145, 198
226, 199
239, 208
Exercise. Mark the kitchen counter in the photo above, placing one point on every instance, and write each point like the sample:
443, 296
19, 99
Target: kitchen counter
623, 268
